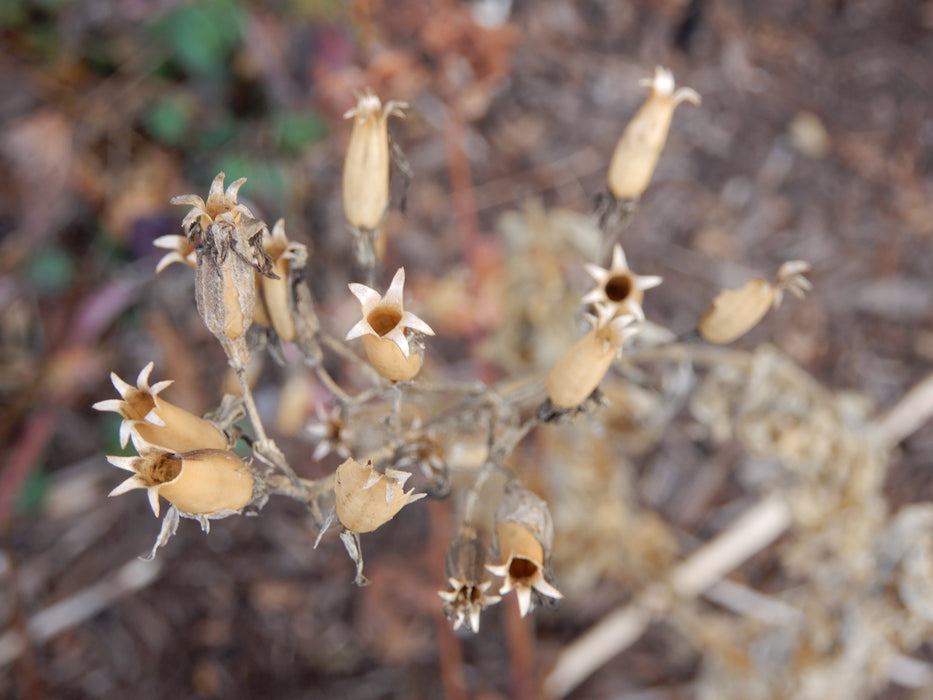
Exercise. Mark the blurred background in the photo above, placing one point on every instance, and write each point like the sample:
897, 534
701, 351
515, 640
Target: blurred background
814, 141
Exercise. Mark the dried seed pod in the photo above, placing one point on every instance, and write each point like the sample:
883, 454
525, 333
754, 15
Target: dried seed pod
466, 575
734, 312
524, 534
383, 328
366, 168
156, 420
366, 499
213, 483
637, 152
619, 287
578, 372
228, 241
276, 291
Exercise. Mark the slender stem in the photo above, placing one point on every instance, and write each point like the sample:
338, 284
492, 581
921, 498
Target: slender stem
332, 386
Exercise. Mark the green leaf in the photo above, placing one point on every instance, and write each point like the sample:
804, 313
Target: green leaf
51, 270
201, 35
167, 120
294, 131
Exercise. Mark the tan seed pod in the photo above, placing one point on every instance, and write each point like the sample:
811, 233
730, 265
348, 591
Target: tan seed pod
366, 499
578, 372
276, 291
636, 154
156, 420
366, 167
384, 329
201, 482
524, 533
386, 358
734, 312
466, 575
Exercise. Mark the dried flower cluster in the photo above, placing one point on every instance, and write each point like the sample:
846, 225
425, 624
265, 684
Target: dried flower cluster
400, 427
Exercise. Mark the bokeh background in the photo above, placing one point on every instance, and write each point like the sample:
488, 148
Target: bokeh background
814, 141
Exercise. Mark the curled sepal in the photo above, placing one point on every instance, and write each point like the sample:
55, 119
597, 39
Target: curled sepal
636, 154
351, 542
578, 372
619, 287
203, 214
466, 576
211, 483
366, 498
166, 532
790, 278
524, 534
366, 167
385, 329
156, 420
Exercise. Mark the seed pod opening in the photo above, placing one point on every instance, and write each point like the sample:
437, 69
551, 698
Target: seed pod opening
156, 420
384, 328
619, 287
636, 154
466, 575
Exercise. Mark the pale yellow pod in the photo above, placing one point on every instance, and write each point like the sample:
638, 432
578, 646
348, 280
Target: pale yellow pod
183, 431
389, 361
201, 482
207, 482
579, 370
734, 312
636, 154
517, 543
366, 167
366, 499
275, 294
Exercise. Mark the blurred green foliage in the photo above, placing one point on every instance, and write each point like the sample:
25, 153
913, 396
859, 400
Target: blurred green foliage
201, 36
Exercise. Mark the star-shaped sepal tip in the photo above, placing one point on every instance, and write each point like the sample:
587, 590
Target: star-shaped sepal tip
464, 602
385, 316
151, 468
618, 286
136, 403
218, 202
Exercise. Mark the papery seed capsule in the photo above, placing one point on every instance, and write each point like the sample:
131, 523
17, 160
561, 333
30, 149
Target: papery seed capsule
637, 152
366, 499
200, 482
734, 312
578, 372
366, 168
156, 420
524, 533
